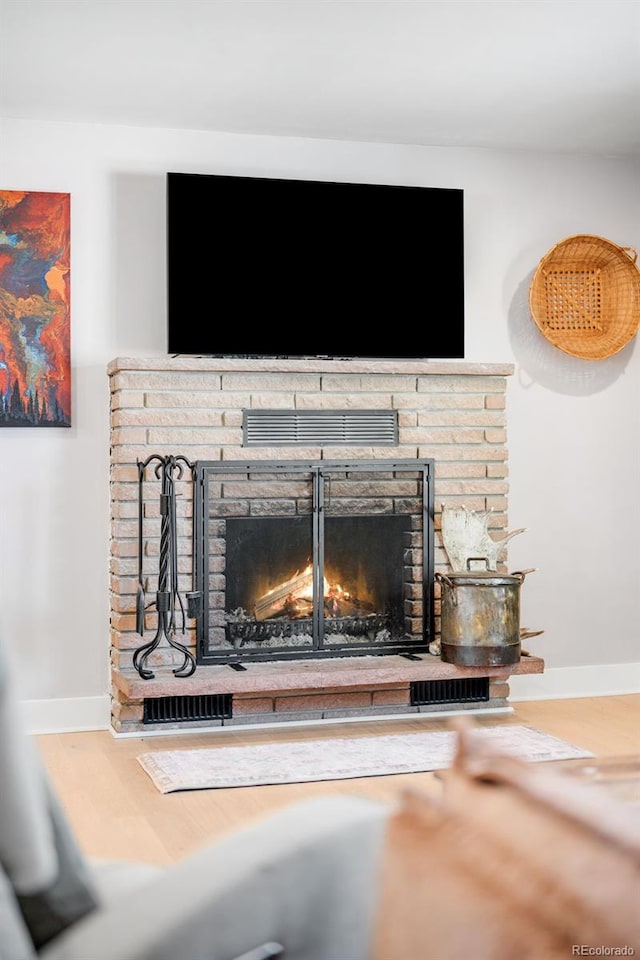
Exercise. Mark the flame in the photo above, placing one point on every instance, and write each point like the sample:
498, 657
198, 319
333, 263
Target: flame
294, 596
307, 592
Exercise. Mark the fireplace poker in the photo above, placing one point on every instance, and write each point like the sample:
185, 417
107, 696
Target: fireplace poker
141, 599
167, 469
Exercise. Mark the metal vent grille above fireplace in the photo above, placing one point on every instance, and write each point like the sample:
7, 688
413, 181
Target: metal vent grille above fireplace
317, 427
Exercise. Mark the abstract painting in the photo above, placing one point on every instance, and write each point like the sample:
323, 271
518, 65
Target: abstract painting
35, 358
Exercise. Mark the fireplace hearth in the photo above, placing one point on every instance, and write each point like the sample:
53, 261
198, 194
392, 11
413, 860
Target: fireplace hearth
312, 559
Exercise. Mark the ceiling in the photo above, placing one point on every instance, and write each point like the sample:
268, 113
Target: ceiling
543, 75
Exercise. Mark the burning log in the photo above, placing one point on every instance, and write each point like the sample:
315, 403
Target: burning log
297, 608
337, 603
274, 603
293, 598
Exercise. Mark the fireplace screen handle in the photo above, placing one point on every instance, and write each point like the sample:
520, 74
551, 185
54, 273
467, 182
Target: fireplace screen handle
194, 604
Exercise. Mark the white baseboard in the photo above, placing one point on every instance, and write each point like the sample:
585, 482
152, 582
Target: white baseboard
563, 683
76, 714
66, 715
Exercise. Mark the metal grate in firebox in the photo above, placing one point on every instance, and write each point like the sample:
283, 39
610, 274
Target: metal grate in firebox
313, 427
464, 690
210, 706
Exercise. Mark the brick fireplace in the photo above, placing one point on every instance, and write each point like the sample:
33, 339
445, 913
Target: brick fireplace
449, 413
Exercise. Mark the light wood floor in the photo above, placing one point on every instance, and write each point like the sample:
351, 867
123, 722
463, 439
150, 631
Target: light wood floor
117, 812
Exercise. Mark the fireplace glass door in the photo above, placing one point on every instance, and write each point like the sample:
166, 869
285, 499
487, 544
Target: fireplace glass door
298, 560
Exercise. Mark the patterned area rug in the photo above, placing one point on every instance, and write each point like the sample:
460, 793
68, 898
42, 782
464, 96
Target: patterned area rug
336, 759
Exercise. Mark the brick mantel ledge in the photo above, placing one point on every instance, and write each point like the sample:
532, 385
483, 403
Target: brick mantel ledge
312, 675
310, 365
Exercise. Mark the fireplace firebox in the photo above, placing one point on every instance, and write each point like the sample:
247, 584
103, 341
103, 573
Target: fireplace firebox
297, 560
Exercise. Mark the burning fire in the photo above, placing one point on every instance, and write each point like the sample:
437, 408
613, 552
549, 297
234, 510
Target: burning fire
293, 598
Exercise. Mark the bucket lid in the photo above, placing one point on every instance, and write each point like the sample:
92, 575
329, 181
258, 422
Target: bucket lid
484, 578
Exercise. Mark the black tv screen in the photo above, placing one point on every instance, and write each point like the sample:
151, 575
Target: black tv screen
266, 267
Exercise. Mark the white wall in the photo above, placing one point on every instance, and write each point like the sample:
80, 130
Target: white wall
573, 425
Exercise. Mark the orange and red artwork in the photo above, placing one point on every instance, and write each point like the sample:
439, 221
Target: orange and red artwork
35, 355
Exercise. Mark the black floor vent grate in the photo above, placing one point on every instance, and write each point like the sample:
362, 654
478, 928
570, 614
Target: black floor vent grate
466, 690
210, 706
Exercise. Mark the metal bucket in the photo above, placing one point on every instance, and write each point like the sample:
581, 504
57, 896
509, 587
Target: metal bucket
480, 617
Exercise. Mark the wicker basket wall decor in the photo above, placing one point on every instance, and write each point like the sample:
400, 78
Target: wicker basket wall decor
585, 296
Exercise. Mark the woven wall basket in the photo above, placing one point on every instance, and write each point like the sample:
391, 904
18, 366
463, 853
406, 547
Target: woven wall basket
585, 296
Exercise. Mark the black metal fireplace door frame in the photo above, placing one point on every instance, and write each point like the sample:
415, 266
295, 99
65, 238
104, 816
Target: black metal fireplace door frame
317, 470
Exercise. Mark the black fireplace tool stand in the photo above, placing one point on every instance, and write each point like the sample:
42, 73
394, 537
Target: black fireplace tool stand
168, 600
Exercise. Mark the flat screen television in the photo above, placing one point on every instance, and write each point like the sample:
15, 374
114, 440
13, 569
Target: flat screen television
268, 267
